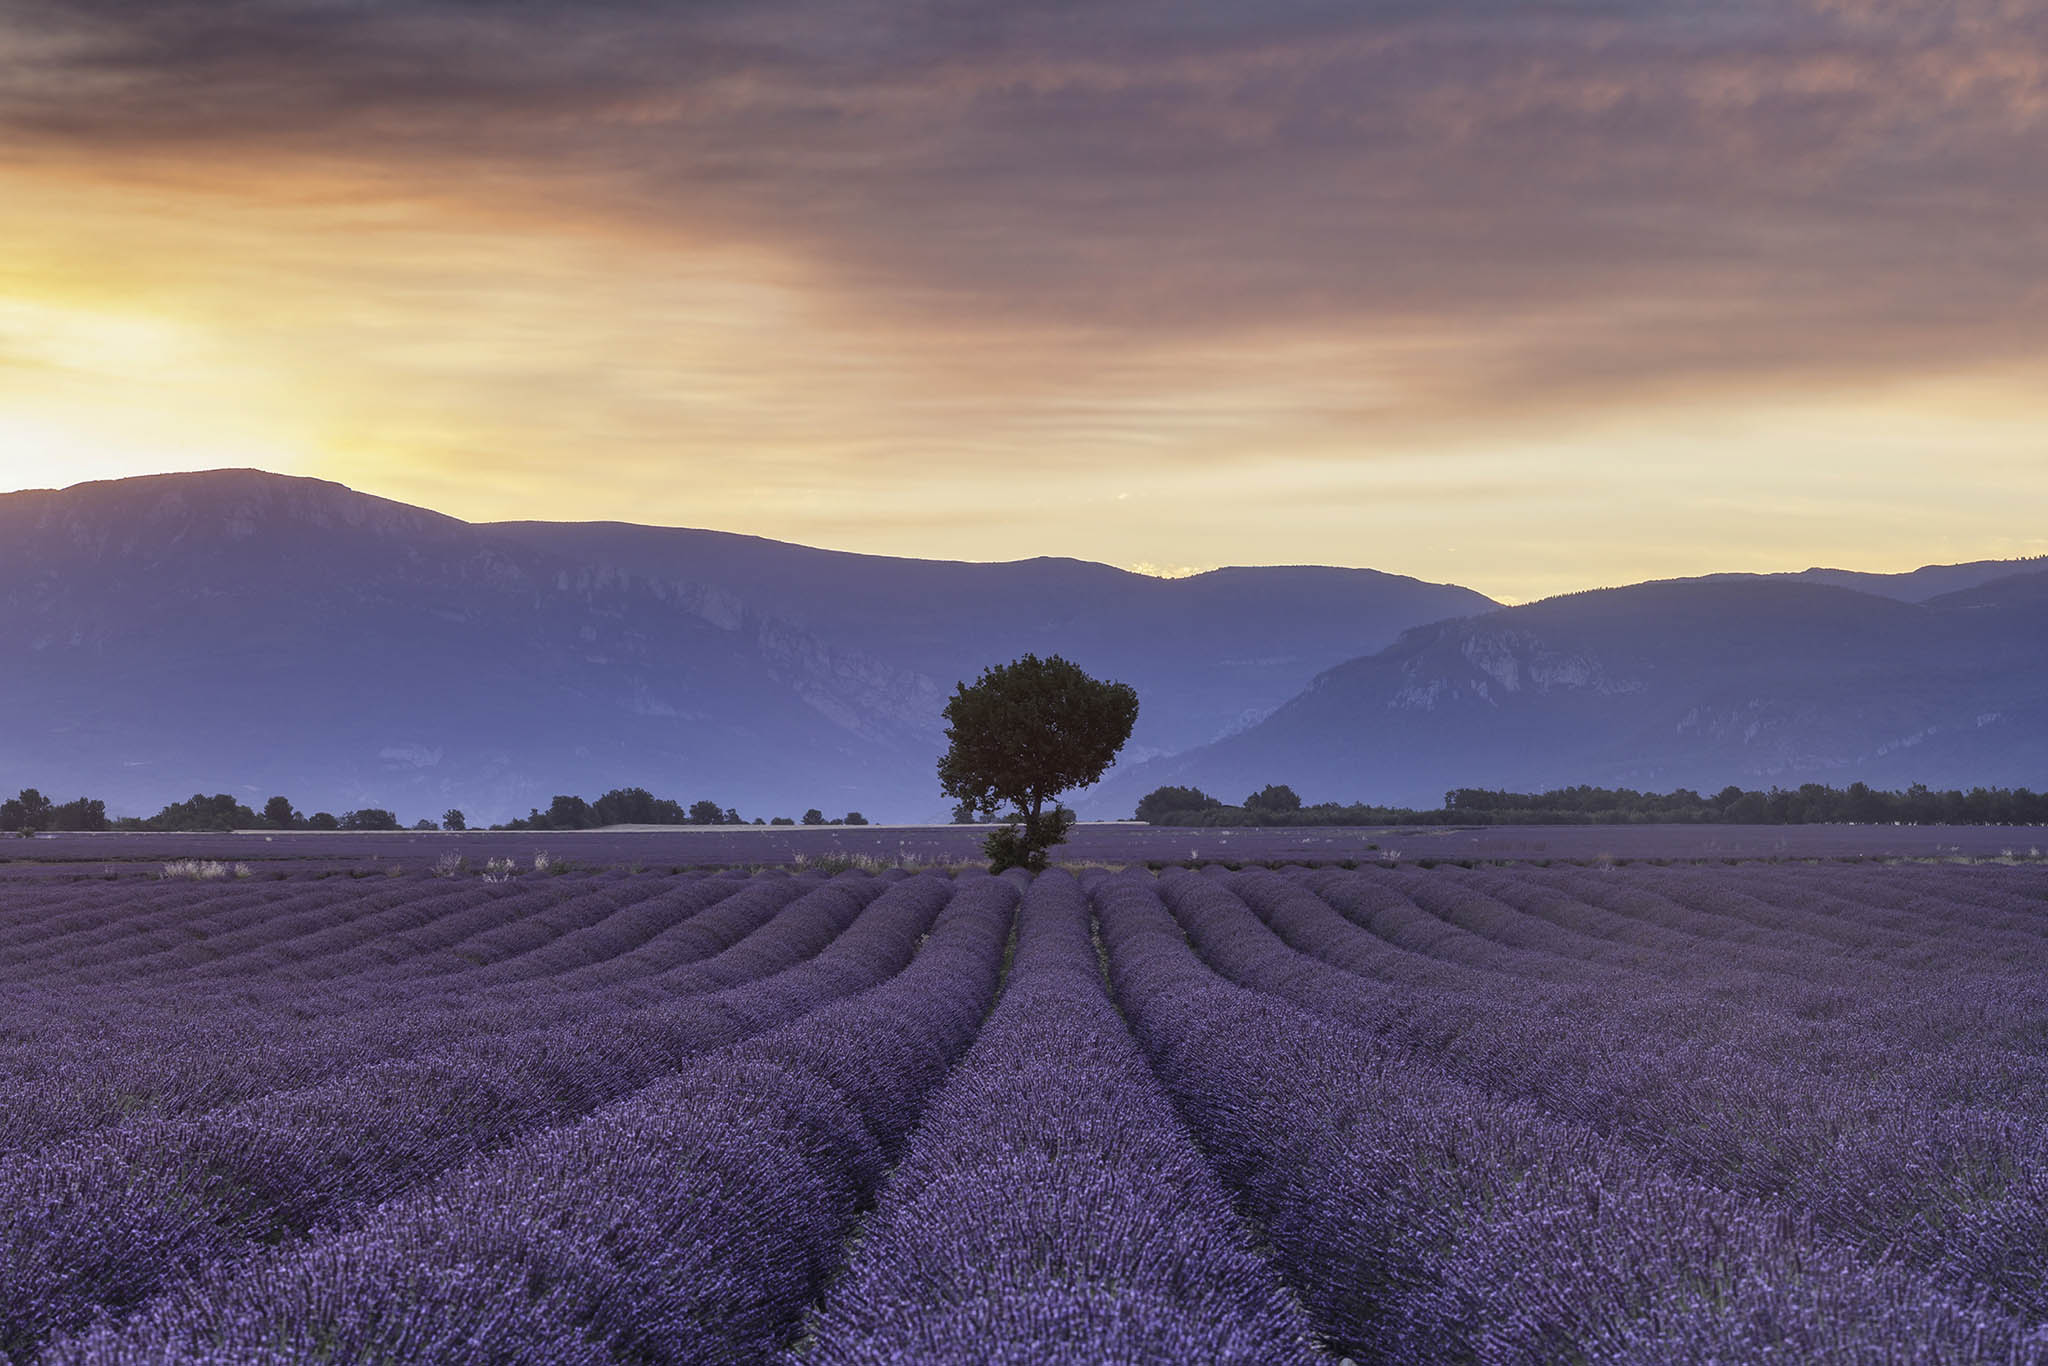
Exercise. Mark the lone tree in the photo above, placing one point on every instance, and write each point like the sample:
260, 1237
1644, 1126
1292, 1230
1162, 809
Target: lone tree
1021, 735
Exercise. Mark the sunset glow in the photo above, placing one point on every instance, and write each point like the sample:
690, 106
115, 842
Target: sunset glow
1529, 303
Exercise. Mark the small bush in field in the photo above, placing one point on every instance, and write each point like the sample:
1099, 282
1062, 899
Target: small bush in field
198, 870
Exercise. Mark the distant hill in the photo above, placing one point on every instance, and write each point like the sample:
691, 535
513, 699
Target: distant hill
1918, 585
246, 632
1747, 680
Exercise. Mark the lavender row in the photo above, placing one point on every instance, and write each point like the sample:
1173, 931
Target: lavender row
689, 1224
1543, 925
165, 1064
1955, 1190
100, 1013
323, 931
1960, 1039
1864, 915
1677, 1041
2006, 899
184, 1072
1051, 1207
1536, 931
1867, 967
1926, 975
183, 948
1424, 1220
98, 1224
1665, 940
125, 921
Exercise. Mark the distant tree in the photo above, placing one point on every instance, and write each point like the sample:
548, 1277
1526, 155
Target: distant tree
1863, 805
782, 820
200, 812
628, 806
370, 818
453, 819
1749, 808
1273, 800
706, 813
567, 812
759, 821
855, 818
86, 813
279, 815
30, 810
814, 817
1161, 802
1020, 735
963, 813
322, 820
732, 817
424, 824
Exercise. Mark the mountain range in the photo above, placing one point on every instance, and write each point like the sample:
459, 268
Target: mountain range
253, 633
1753, 681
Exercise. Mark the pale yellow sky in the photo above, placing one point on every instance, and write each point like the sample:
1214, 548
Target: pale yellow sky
1529, 305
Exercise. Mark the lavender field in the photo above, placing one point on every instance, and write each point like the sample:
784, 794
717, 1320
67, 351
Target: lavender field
1759, 1111
64, 854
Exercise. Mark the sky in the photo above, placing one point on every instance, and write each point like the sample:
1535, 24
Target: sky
1530, 296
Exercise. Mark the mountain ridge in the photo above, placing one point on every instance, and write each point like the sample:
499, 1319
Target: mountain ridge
1697, 683
255, 633
240, 631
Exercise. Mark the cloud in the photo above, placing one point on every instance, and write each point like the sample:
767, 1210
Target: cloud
1164, 169
840, 262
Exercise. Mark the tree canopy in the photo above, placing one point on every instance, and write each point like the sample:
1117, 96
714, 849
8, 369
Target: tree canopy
1274, 799
1023, 733
370, 818
30, 811
201, 812
1161, 802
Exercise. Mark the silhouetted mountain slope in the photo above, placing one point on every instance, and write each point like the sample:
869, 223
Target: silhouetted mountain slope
1701, 683
2024, 592
253, 633
1918, 585
1205, 652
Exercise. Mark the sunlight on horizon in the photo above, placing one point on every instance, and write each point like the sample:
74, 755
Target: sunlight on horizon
559, 374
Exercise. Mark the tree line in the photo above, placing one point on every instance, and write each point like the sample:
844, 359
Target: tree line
638, 806
31, 813
30, 810
1808, 804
